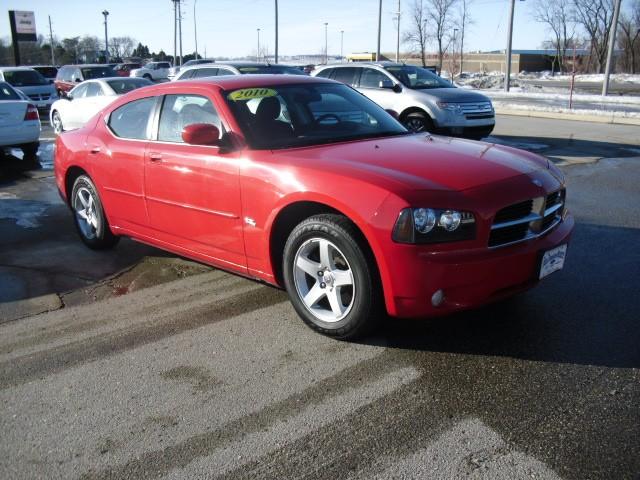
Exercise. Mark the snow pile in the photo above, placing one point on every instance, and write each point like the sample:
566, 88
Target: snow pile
520, 93
499, 105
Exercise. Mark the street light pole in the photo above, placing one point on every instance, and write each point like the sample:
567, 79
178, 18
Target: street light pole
106, 38
195, 27
398, 40
275, 59
326, 52
612, 42
180, 30
507, 78
258, 52
341, 45
379, 29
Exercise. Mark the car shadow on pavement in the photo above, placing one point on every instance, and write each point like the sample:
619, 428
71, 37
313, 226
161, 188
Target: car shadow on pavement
570, 150
587, 314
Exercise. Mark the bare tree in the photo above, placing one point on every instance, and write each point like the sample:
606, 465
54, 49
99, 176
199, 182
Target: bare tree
596, 17
558, 17
630, 35
417, 36
121, 47
439, 15
464, 20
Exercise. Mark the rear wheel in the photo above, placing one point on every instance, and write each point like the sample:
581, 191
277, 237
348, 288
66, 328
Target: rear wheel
89, 216
147, 76
330, 278
419, 122
56, 122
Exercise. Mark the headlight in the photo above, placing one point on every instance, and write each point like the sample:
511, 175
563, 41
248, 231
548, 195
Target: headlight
431, 225
450, 107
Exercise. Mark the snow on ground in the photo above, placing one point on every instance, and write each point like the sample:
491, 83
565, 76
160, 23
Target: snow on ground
518, 92
557, 109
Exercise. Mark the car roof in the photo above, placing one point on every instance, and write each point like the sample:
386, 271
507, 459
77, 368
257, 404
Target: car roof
15, 69
232, 82
85, 65
361, 64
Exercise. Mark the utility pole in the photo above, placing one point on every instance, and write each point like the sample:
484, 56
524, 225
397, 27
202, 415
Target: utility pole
195, 27
341, 45
175, 32
379, 29
275, 60
398, 40
258, 52
326, 52
180, 30
507, 77
53, 58
612, 43
106, 38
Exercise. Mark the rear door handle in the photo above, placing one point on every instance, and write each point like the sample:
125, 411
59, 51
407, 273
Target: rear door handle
95, 150
155, 157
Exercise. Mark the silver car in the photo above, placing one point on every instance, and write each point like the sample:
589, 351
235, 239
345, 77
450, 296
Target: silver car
422, 99
39, 90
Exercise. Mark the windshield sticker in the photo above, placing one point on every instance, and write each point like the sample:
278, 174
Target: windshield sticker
249, 93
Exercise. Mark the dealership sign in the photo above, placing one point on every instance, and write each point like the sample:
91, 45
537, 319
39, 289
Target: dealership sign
23, 26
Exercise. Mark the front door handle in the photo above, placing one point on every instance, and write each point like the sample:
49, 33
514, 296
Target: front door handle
155, 157
95, 150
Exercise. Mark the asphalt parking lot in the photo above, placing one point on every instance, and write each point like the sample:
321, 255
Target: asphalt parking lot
135, 363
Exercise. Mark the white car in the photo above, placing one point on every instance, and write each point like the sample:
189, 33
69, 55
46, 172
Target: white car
88, 98
152, 71
19, 122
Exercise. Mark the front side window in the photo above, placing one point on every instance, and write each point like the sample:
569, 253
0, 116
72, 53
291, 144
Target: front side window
80, 91
326, 73
179, 111
289, 116
371, 78
417, 78
132, 119
205, 72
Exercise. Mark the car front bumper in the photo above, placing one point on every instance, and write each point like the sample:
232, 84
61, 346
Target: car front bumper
469, 278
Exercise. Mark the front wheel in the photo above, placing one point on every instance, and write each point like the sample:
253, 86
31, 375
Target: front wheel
89, 216
419, 122
56, 122
331, 278
147, 76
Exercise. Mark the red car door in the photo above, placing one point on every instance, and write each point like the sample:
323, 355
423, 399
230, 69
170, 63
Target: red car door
119, 148
192, 191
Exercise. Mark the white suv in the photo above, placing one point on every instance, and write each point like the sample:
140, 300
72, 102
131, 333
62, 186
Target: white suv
153, 71
422, 99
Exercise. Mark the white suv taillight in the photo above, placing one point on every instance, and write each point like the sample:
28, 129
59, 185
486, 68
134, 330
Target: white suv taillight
32, 113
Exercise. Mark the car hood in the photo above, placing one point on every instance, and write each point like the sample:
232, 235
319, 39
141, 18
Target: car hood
418, 162
453, 95
34, 89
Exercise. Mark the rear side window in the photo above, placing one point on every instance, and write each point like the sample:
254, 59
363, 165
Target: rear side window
371, 78
93, 90
178, 111
164, 65
326, 73
132, 119
205, 72
348, 75
224, 71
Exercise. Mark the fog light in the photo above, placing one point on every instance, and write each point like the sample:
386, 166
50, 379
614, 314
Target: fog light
437, 298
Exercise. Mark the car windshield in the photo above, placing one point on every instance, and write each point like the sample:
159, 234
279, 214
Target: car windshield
300, 115
417, 78
7, 93
97, 72
24, 78
128, 84
275, 69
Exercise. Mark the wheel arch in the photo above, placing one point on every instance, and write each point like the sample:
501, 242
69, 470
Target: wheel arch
408, 111
290, 215
70, 177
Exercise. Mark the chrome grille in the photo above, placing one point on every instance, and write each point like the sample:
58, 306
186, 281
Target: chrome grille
477, 110
39, 96
526, 220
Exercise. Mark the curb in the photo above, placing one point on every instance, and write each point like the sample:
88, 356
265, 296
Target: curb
611, 119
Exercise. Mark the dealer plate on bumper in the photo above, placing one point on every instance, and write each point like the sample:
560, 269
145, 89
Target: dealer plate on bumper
552, 260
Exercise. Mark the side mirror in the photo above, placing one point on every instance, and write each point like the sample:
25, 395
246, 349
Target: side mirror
393, 113
201, 134
69, 96
397, 88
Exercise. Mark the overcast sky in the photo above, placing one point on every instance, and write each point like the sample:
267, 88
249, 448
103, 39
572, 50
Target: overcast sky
228, 27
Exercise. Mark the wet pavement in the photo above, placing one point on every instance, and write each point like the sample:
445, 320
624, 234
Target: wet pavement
151, 366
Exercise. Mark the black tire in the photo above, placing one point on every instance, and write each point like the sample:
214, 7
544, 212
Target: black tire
30, 152
56, 122
147, 76
419, 122
97, 236
364, 294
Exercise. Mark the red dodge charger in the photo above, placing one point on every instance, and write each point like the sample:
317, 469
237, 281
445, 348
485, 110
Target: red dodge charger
306, 184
